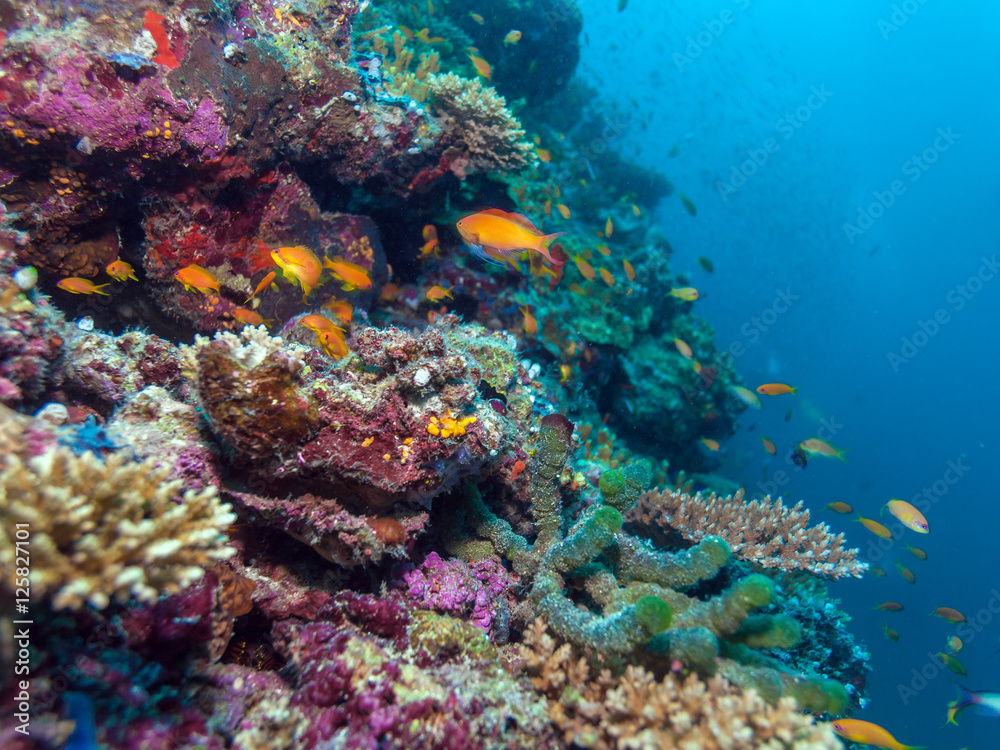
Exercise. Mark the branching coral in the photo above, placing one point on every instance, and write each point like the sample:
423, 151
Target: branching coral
102, 529
598, 709
640, 592
489, 137
764, 532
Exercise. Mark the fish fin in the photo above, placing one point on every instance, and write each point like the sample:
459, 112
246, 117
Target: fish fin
519, 219
881, 513
100, 287
543, 247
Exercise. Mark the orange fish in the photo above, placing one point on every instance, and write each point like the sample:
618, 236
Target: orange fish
119, 270
878, 571
712, 445
390, 291
333, 342
482, 67
506, 234
264, 283
949, 614
890, 607
606, 276
683, 348
608, 227
629, 271
839, 507
318, 323
300, 264
585, 269
437, 293
195, 277
875, 527
768, 446
564, 210
544, 155
431, 248
530, 324
954, 644
916, 551
477, 18
76, 285
904, 571
577, 289
686, 293
909, 516
635, 210
512, 37
604, 250
817, 447
341, 309
866, 733
248, 317
353, 275
775, 389
564, 372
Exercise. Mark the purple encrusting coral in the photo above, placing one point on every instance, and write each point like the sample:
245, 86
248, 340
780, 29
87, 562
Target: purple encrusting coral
475, 590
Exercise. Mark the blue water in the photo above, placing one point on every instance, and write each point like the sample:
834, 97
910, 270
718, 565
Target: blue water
835, 100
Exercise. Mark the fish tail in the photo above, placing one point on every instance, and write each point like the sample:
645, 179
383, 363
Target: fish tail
543, 246
98, 289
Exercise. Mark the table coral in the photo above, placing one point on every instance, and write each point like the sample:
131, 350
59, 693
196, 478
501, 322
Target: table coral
764, 531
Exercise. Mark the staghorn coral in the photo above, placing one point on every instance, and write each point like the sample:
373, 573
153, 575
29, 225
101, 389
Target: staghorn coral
764, 531
596, 708
488, 137
103, 529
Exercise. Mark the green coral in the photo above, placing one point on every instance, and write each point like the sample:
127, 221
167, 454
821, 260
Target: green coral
640, 591
436, 633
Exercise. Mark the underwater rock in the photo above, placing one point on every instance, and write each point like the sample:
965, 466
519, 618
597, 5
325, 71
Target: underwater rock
233, 239
365, 430
111, 368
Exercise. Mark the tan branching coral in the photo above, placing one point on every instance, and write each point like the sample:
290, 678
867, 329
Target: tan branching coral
488, 137
763, 532
101, 529
634, 711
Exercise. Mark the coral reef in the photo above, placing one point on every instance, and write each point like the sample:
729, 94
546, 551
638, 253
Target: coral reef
302, 470
103, 529
364, 430
486, 137
641, 590
763, 531
593, 707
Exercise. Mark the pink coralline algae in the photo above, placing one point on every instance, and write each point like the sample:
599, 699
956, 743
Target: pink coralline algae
474, 590
362, 431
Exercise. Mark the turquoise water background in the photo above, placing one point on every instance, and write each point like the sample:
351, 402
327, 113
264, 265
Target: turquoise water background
857, 258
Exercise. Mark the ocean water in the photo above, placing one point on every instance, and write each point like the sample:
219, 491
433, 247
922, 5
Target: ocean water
787, 120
